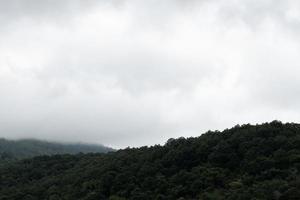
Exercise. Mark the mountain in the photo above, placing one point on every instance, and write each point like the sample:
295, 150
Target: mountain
247, 162
19, 149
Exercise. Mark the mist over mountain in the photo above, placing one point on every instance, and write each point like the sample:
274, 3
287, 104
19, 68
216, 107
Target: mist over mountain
247, 162
11, 150
135, 74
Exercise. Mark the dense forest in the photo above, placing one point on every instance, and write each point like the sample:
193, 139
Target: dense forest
255, 162
12, 150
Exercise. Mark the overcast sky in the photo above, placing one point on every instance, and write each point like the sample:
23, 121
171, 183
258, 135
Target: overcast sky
137, 72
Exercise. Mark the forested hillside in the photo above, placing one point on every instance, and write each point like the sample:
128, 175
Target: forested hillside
259, 162
11, 150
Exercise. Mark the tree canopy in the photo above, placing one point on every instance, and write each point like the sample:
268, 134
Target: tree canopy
255, 162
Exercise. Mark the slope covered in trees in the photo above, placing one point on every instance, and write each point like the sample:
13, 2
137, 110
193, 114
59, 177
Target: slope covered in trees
11, 150
245, 162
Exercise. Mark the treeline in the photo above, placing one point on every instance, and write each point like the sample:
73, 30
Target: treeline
246, 162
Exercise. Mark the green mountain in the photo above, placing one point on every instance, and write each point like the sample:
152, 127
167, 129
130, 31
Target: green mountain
260, 162
19, 149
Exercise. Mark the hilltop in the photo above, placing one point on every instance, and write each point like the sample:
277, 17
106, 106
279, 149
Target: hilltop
11, 150
246, 162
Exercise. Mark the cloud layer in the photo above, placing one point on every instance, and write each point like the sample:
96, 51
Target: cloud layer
131, 72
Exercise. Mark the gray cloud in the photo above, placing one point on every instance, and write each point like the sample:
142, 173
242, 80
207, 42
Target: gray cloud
131, 72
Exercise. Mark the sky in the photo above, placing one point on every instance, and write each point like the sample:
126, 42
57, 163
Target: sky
137, 72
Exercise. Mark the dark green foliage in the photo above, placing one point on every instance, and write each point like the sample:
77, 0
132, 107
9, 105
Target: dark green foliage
246, 162
11, 150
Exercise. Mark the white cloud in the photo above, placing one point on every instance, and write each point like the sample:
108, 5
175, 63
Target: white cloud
130, 73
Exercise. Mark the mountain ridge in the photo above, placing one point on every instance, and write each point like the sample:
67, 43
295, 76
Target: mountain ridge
245, 162
27, 148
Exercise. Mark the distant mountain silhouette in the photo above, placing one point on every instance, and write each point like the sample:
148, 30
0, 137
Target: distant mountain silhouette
27, 148
247, 162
